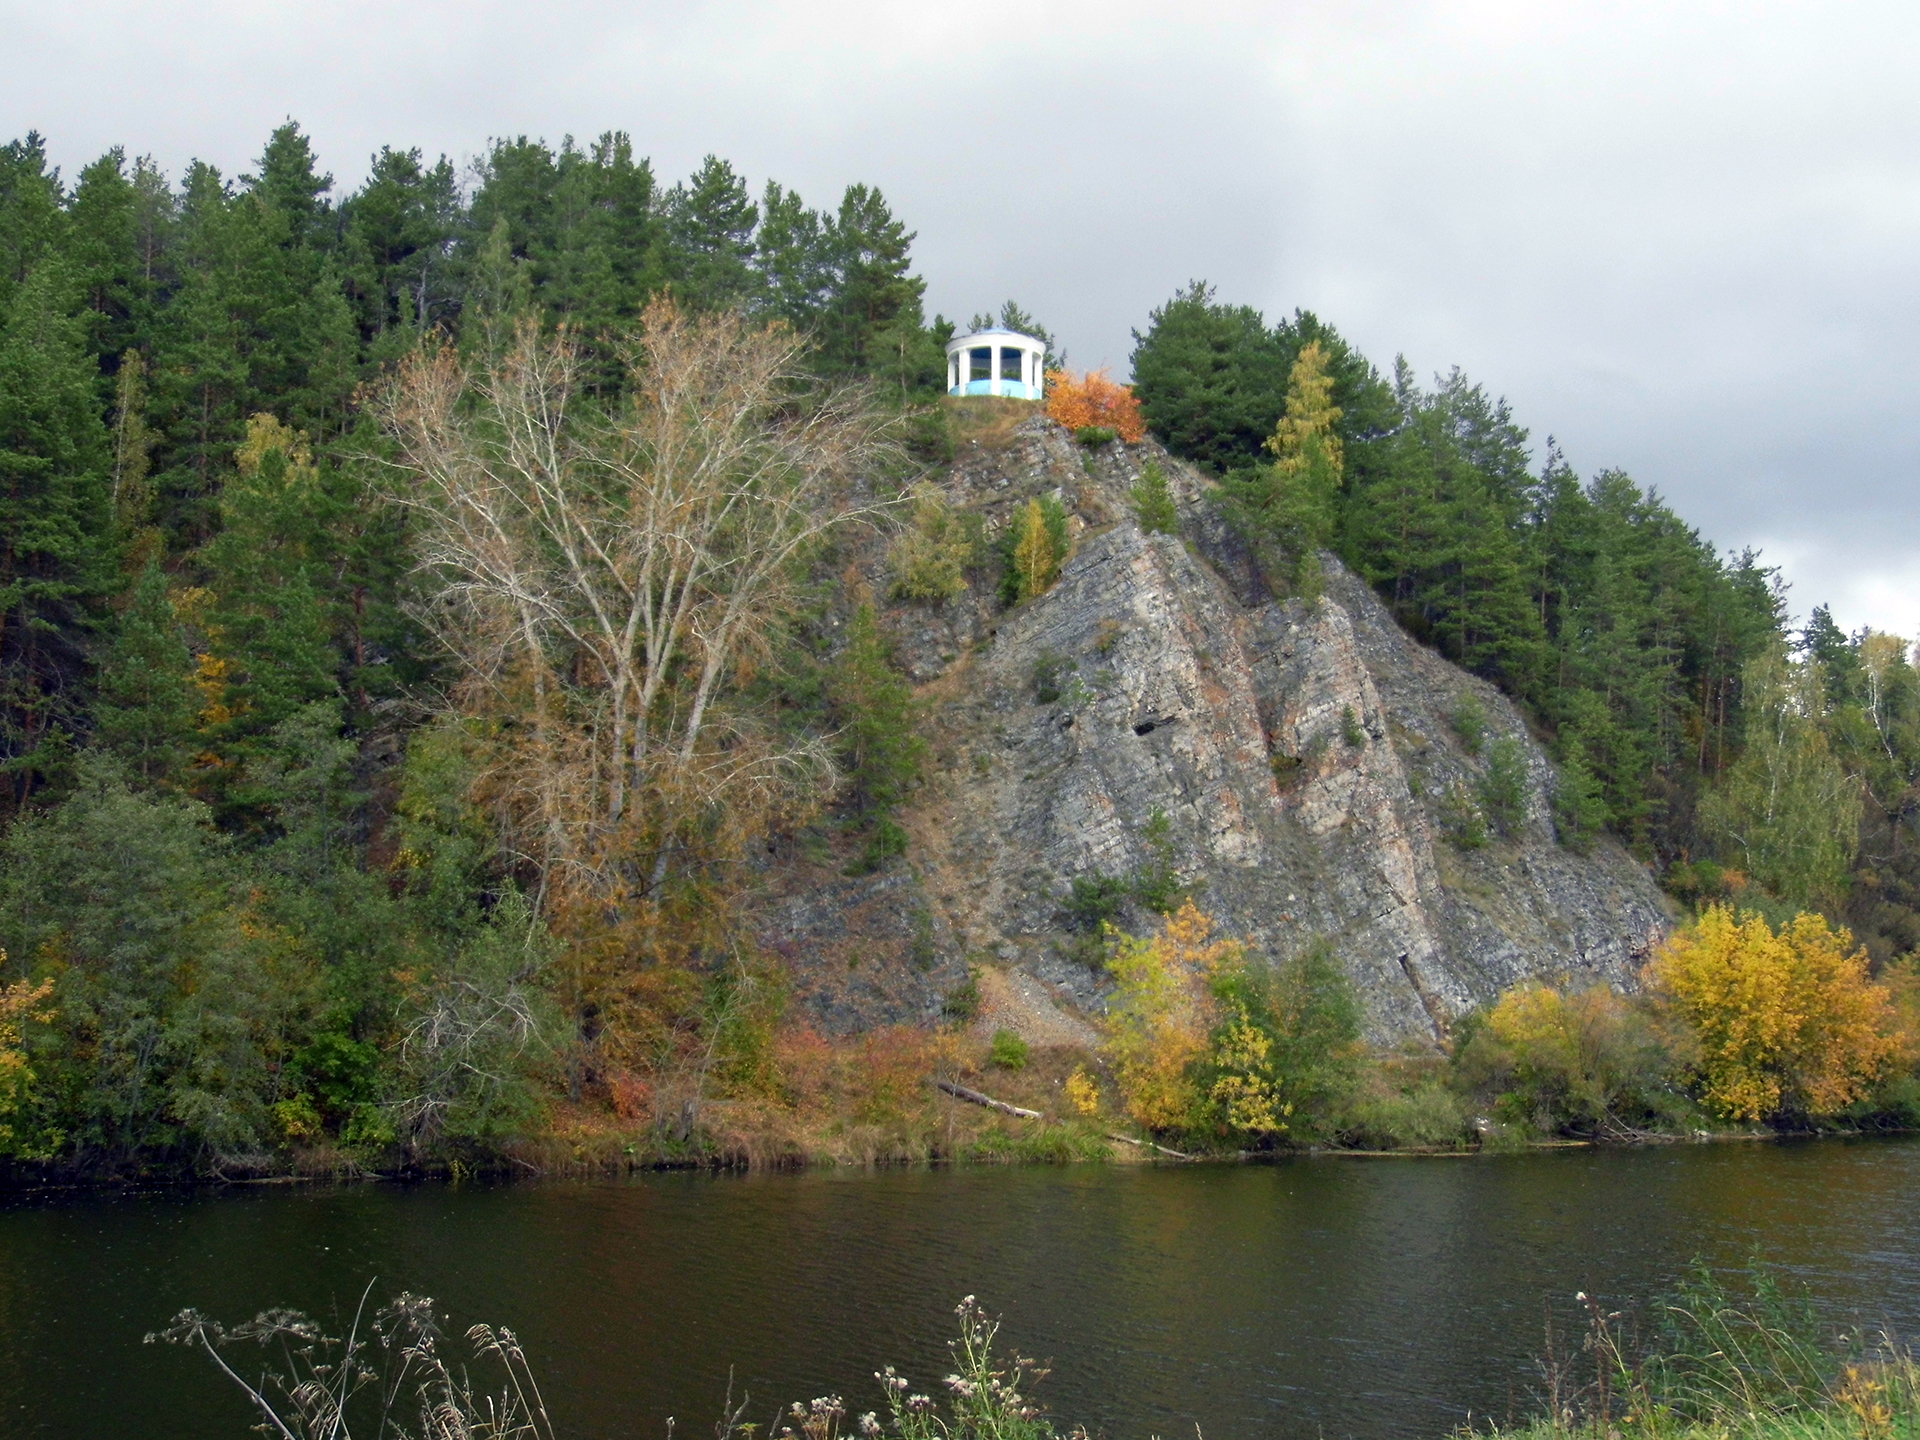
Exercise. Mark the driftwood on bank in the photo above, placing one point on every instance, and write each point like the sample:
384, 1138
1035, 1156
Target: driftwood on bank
1149, 1145
974, 1097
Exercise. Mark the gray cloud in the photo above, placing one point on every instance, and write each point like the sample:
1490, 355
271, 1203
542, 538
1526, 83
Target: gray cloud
1681, 239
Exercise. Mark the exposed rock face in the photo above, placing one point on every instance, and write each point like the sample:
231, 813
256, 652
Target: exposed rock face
1306, 757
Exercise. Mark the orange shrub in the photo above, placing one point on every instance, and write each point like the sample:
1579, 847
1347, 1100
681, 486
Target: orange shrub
1093, 399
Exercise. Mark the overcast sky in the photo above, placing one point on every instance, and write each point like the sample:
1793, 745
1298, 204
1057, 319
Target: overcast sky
1682, 239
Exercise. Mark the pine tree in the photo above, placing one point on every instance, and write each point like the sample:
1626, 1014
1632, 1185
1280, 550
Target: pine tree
147, 704
875, 709
1153, 503
33, 223
396, 232
873, 323
55, 523
1211, 378
710, 224
790, 253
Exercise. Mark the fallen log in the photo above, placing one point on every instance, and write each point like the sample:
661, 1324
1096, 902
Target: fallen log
1148, 1145
974, 1097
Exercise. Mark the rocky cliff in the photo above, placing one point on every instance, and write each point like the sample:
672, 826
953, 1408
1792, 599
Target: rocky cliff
1315, 768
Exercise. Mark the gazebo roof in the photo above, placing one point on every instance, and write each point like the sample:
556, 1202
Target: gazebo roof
995, 330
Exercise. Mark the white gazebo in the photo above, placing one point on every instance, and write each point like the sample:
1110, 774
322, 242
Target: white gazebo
997, 362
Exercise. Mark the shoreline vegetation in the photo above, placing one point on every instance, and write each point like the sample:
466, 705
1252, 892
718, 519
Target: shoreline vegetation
1209, 1052
1741, 1356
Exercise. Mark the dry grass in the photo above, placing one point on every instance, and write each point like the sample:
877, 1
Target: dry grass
860, 1101
985, 420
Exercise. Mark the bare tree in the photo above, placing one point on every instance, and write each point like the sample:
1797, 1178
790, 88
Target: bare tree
604, 573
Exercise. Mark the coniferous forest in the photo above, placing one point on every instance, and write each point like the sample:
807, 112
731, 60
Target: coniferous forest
329, 816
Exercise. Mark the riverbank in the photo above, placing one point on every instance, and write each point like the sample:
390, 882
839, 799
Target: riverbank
894, 1098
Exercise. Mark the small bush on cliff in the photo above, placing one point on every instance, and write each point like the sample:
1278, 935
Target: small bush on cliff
882, 751
1503, 789
1153, 503
1469, 724
933, 554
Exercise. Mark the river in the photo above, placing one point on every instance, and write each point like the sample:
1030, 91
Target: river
1318, 1296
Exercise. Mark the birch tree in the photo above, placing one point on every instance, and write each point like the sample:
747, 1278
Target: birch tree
1787, 810
605, 574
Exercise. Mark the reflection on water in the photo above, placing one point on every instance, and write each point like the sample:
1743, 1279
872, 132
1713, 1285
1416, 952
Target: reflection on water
1335, 1296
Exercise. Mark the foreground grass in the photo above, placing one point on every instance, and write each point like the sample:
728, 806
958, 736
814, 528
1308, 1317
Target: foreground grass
1732, 1358
1723, 1358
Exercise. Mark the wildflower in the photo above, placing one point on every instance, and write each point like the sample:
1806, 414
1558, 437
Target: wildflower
869, 1424
919, 1404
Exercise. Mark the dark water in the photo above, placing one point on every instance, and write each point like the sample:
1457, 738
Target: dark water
1319, 1296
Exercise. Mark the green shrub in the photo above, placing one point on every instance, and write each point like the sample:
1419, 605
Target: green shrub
1093, 436
1503, 789
1156, 884
1047, 672
933, 554
1008, 1051
1469, 724
1153, 503
1426, 1114
1350, 728
1565, 1062
1461, 818
962, 1002
1095, 899
886, 840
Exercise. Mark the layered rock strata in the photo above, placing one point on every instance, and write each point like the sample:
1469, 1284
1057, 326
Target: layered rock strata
1305, 766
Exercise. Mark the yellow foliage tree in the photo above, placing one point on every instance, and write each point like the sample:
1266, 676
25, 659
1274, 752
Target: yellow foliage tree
1162, 1014
1084, 1091
1581, 1058
1034, 561
1293, 502
1245, 1089
21, 1004
1306, 440
266, 434
1786, 1022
